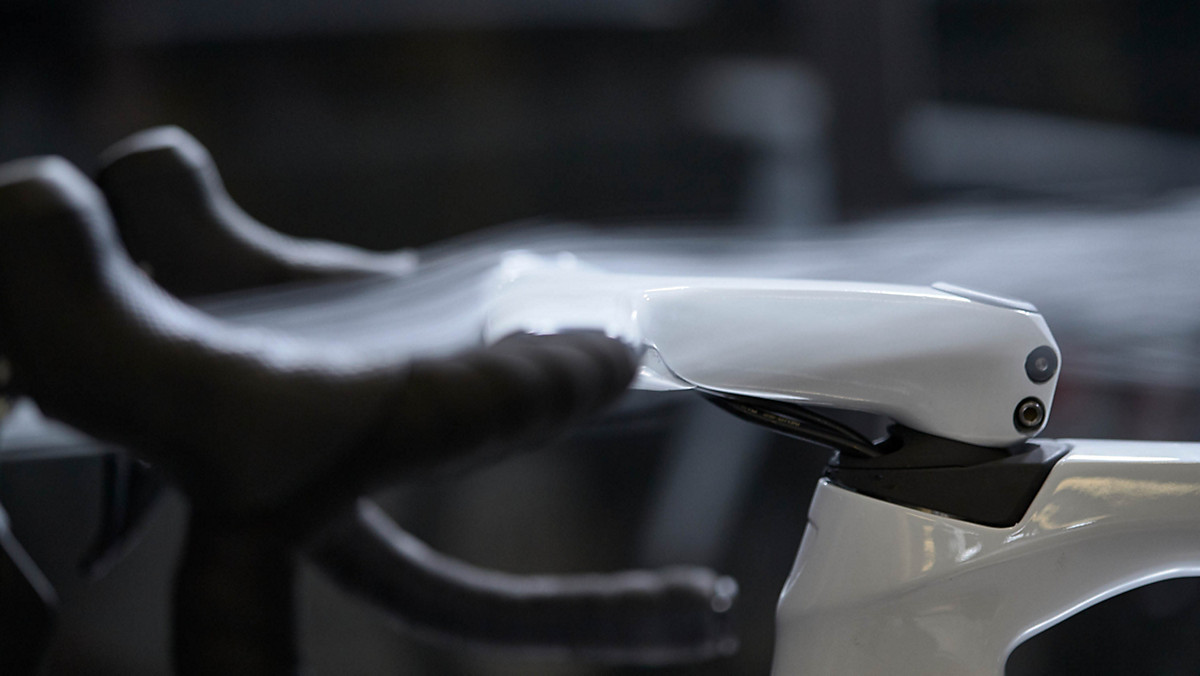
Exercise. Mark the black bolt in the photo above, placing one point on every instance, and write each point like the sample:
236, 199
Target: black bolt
1041, 364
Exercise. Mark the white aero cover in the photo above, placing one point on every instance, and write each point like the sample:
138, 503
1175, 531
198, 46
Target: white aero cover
949, 363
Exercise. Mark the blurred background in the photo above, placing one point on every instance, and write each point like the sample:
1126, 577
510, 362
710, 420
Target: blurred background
1044, 149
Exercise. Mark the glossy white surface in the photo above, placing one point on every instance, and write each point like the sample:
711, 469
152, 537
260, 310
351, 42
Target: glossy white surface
882, 589
935, 361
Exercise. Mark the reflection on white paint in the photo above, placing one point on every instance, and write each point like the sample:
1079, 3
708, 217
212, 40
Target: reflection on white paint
1118, 491
1126, 458
928, 549
969, 553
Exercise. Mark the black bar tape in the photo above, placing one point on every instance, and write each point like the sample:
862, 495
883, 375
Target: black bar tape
638, 617
166, 193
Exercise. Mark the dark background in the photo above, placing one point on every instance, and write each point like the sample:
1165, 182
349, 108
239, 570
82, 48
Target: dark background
400, 123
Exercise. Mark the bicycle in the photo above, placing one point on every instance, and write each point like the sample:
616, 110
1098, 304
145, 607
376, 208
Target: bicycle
957, 492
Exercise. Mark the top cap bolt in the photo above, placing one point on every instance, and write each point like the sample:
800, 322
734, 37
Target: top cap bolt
1041, 364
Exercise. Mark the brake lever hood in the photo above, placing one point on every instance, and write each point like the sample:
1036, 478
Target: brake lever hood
940, 359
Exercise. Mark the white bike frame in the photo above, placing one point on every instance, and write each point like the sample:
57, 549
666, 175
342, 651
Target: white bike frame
880, 588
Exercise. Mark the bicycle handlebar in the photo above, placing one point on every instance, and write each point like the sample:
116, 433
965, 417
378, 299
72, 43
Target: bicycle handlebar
273, 438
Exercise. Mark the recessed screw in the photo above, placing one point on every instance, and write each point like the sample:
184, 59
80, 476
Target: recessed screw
1029, 415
